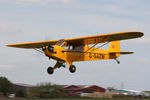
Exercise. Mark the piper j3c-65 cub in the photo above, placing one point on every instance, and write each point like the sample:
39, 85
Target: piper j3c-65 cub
78, 49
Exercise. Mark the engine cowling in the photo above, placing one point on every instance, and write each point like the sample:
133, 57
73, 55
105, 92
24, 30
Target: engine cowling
50, 49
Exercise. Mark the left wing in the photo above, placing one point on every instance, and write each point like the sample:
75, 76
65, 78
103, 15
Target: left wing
31, 45
82, 40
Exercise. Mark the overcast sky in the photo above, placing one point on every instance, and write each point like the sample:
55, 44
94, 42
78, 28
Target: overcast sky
39, 20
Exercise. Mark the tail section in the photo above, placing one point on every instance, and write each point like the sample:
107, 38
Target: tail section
114, 49
114, 46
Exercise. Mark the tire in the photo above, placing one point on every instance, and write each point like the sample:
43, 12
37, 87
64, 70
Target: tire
72, 68
50, 70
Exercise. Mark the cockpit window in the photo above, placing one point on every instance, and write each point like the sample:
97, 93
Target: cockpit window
78, 48
75, 48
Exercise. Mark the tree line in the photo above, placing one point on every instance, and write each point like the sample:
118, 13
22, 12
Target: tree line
42, 90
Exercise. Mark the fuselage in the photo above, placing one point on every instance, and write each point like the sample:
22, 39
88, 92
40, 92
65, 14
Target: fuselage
84, 53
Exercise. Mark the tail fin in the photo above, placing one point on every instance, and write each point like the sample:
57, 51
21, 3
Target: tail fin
114, 48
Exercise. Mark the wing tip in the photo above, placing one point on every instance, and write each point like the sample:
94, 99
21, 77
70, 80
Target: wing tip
8, 45
140, 34
136, 33
11, 45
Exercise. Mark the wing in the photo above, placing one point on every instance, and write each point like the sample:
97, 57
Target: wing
31, 45
103, 38
83, 40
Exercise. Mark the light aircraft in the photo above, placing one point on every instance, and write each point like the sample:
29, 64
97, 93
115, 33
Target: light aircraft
80, 49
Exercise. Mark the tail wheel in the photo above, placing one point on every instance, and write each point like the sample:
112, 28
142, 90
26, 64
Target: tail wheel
72, 68
50, 70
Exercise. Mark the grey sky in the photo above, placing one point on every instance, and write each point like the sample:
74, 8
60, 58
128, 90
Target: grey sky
38, 20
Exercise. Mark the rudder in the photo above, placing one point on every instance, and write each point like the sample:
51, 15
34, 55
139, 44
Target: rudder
114, 48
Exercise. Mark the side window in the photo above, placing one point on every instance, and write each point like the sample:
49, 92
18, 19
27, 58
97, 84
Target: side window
75, 48
69, 47
78, 48
66, 47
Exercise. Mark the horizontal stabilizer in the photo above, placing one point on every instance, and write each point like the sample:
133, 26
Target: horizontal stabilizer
124, 53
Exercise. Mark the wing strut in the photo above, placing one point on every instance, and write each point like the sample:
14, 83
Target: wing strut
93, 49
100, 46
39, 50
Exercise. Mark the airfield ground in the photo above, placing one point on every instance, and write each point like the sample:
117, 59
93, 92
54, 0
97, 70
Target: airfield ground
77, 99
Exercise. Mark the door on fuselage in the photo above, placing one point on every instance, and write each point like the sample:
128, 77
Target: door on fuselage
76, 54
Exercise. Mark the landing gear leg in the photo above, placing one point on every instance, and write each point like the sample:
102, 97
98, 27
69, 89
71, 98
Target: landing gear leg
117, 60
50, 70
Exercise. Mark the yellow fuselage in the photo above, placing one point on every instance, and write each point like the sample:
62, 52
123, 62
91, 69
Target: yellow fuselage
85, 55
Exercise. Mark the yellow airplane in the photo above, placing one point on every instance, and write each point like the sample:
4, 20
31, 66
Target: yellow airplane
80, 49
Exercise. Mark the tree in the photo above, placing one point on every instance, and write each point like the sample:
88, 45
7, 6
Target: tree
5, 85
20, 93
47, 90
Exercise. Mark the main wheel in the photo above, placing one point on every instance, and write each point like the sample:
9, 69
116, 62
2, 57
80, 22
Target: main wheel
72, 68
50, 70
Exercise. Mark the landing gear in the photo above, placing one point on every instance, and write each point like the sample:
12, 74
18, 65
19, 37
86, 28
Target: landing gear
50, 70
72, 68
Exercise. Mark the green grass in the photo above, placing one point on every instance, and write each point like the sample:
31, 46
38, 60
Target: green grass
77, 99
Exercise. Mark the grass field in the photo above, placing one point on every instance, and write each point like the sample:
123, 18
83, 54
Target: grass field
77, 99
